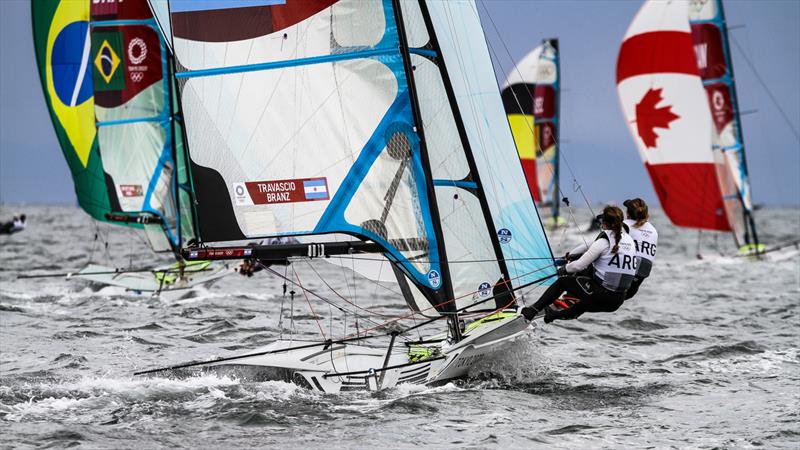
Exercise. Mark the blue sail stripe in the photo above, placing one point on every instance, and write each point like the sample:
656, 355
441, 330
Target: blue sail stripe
288, 63
456, 183
108, 123
423, 52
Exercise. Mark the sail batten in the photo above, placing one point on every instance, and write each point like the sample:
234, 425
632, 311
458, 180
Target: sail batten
287, 63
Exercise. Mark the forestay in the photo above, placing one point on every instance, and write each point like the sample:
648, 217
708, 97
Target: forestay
376, 119
531, 99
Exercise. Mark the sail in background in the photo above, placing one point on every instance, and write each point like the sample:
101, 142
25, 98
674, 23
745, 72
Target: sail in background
531, 95
63, 53
712, 50
105, 75
375, 119
665, 106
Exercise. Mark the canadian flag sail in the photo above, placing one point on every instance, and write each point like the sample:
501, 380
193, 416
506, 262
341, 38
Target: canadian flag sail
685, 133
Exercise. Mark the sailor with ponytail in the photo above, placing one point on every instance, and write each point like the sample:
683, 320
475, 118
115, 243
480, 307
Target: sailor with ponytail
645, 238
609, 264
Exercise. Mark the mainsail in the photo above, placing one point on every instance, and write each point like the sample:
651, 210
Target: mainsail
531, 97
105, 74
377, 119
681, 109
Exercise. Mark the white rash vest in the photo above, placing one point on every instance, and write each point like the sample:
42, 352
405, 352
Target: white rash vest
645, 238
615, 271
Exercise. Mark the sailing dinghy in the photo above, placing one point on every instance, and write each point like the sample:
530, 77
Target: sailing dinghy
678, 94
531, 97
380, 121
106, 79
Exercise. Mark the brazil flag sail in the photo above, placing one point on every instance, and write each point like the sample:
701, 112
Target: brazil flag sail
105, 75
63, 47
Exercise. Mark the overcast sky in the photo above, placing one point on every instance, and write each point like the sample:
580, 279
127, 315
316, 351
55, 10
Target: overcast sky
596, 142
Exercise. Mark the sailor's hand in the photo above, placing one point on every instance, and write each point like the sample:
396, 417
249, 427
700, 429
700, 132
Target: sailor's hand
560, 262
246, 268
562, 271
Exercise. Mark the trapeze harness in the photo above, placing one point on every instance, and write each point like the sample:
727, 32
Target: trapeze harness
645, 238
602, 287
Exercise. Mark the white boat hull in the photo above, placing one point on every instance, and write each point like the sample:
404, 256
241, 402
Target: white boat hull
147, 283
348, 367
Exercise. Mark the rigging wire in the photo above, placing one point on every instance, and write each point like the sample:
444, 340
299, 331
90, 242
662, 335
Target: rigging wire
283, 299
453, 300
766, 88
315, 294
338, 294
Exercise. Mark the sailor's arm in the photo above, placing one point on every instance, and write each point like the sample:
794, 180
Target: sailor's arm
577, 251
592, 253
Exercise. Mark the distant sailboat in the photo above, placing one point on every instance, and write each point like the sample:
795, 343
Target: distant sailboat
531, 97
106, 79
380, 121
676, 86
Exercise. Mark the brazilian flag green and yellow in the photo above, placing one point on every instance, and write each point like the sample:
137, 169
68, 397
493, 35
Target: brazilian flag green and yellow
63, 49
108, 75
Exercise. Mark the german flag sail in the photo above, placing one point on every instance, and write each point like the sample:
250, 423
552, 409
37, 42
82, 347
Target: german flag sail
531, 100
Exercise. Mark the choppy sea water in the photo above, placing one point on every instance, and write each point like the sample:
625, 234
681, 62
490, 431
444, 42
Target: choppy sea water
706, 356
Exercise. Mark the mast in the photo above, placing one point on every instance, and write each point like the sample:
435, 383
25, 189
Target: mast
446, 293
556, 203
176, 247
174, 90
750, 230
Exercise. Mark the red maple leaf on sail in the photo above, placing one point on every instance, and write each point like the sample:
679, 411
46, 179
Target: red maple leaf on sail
649, 116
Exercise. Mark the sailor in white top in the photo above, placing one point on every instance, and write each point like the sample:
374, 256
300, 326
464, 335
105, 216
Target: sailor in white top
612, 257
645, 237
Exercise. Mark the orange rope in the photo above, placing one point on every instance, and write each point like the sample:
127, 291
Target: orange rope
309, 304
